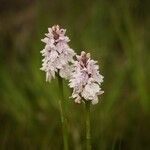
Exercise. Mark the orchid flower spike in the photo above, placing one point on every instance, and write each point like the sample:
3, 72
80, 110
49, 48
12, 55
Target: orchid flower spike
85, 79
57, 54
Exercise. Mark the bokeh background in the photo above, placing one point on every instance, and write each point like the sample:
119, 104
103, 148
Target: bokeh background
116, 33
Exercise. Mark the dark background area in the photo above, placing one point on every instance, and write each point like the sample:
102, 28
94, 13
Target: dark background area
116, 33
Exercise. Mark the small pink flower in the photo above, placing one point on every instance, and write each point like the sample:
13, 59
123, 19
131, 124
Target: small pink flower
57, 53
85, 79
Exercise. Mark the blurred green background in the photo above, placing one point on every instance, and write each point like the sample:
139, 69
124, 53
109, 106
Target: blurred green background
116, 33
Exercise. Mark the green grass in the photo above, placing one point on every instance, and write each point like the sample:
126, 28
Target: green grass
116, 34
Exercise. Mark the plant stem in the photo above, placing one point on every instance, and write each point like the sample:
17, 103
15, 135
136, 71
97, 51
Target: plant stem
62, 113
88, 130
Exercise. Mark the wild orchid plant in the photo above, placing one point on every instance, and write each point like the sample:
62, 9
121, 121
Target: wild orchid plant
57, 58
85, 81
82, 73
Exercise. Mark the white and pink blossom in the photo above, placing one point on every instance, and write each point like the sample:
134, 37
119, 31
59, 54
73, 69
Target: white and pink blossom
86, 79
57, 53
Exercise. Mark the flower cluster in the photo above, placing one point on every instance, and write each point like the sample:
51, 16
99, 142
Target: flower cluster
83, 75
57, 53
85, 79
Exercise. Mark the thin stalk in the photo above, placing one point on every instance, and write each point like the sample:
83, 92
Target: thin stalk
62, 113
88, 128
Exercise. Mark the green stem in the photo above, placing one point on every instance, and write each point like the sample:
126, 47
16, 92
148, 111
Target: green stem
62, 113
88, 130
